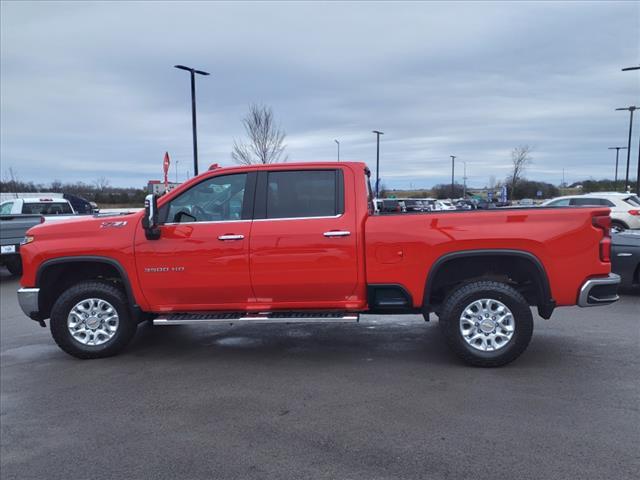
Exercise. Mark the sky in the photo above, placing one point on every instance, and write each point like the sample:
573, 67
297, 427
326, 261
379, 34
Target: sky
88, 90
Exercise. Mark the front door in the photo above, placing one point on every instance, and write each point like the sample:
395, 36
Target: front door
303, 242
201, 260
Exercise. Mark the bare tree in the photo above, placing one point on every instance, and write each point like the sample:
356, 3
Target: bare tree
266, 139
520, 158
101, 183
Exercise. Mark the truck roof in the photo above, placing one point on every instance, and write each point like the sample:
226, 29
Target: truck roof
285, 165
44, 200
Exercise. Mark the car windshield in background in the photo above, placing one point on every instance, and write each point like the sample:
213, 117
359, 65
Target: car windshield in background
47, 208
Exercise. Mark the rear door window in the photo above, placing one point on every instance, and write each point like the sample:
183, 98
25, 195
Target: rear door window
304, 193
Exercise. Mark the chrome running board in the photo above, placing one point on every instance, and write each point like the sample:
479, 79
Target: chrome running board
261, 317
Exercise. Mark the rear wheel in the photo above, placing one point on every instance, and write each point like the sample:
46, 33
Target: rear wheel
92, 320
486, 323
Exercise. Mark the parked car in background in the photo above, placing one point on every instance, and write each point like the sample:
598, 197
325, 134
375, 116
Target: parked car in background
464, 204
526, 202
390, 205
81, 205
13, 229
485, 204
625, 207
414, 205
50, 208
625, 257
443, 205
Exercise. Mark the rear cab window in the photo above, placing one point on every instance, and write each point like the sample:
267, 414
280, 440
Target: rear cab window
47, 208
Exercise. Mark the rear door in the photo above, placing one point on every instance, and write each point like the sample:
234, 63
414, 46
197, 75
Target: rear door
303, 241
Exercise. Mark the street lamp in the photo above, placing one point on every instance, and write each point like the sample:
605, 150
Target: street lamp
378, 133
631, 109
638, 172
617, 149
464, 180
453, 167
338, 143
193, 71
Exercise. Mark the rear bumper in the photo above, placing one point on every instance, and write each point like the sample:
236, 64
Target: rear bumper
28, 300
599, 291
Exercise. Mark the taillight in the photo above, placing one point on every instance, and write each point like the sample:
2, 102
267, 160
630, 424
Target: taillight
603, 222
633, 212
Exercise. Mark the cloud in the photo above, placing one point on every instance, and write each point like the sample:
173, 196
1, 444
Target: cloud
88, 89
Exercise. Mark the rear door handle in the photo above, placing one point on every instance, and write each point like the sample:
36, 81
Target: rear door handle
337, 233
230, 237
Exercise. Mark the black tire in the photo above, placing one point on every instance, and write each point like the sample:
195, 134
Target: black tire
75, 294
14, 265
463, 296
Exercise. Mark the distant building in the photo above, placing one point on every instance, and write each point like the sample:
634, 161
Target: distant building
157, 187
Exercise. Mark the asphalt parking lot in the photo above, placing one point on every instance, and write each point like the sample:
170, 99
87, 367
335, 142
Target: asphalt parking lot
380, 400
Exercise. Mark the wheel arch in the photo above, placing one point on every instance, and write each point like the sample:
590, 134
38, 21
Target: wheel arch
50, 277
445, 264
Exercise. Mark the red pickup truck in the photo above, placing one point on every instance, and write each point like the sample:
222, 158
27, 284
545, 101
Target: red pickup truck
301, 242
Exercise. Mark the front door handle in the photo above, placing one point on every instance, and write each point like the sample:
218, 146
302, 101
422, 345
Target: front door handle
337, 233
230, 237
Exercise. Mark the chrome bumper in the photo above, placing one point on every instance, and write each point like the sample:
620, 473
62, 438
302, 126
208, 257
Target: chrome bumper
28, 300
599, 291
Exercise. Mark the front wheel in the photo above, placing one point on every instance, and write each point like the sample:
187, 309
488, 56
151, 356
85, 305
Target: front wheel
486, 323
92, 320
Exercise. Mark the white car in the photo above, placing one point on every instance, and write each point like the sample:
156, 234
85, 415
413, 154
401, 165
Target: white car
50, 208
625, 207
444, 205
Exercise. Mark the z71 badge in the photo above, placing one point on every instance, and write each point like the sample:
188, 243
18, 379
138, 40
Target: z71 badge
119, 224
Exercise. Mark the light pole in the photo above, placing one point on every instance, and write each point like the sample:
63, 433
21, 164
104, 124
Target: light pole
453, 168
617, 149
464, 180
631, 109
378, 133
176, 171
193, 72
638, 172
338, 143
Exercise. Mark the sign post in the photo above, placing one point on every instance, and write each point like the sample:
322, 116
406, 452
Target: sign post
165, 166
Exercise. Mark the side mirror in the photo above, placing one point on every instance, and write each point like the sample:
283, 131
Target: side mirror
150, 219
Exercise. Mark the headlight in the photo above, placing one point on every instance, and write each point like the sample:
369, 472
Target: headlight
27, 239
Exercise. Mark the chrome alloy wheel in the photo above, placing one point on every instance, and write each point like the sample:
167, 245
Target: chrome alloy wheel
93, 321
487, 324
